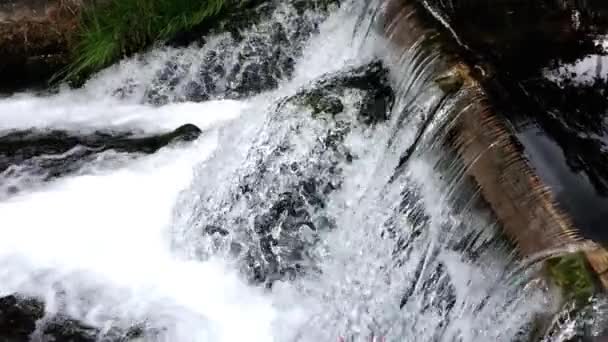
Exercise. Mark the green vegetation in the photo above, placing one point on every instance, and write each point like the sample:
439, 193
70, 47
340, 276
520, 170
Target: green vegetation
574, 276
119, 28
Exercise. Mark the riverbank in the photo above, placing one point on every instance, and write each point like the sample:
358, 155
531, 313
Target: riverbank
35, 38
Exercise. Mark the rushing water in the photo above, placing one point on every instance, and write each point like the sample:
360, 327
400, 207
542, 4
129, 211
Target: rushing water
277, 224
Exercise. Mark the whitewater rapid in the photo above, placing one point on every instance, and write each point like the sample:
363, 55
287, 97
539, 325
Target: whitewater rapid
116, 244
96, 246
104, 235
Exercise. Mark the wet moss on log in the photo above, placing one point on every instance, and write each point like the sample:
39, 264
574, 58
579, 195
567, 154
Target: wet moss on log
574, 277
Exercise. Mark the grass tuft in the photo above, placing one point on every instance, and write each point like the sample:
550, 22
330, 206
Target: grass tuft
118, 28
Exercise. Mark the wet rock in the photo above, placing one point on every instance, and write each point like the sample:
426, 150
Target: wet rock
24, 320
323, 103
325, 5
579, 323
371, 79
52, 154
450, 82
216, 230
18, 318
248, 52
185, 133
21, 145
277, 210
290, 227
63, 329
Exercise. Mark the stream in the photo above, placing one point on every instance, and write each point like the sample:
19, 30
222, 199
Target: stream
290, 214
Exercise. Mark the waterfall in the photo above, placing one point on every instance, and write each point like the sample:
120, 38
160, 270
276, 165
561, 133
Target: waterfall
317, 204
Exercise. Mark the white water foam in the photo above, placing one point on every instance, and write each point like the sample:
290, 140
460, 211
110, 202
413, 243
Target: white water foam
104, 236
97, 246
70, 112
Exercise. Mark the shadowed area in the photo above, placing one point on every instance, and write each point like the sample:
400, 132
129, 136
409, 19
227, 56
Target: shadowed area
542, 64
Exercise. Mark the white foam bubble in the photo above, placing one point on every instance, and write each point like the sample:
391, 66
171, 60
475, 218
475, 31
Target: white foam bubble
72, 112
107, 231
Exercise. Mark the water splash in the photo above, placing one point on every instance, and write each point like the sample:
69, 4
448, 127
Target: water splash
273, 193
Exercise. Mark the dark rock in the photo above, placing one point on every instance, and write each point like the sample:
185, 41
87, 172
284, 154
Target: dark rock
216, 230
371, 79
187, 133
295, 213
280, 202
323, 103
325, 5
52, 154
235, 249
64, 329
18, 318
24, 320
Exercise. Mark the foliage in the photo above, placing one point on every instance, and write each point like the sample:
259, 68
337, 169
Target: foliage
119, 28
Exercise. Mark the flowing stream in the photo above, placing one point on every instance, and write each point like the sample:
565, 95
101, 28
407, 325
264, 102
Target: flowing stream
290, 218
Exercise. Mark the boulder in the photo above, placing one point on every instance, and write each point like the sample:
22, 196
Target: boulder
286, 187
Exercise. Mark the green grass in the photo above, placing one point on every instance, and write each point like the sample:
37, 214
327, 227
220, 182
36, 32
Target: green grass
122, 27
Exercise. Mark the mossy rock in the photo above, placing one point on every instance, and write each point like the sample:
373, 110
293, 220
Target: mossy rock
324, 96
450, 82
322, 102
573, 275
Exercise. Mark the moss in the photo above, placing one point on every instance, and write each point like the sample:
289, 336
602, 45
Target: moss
450, 82
572, 274
118, 28
322, 102
324, 96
